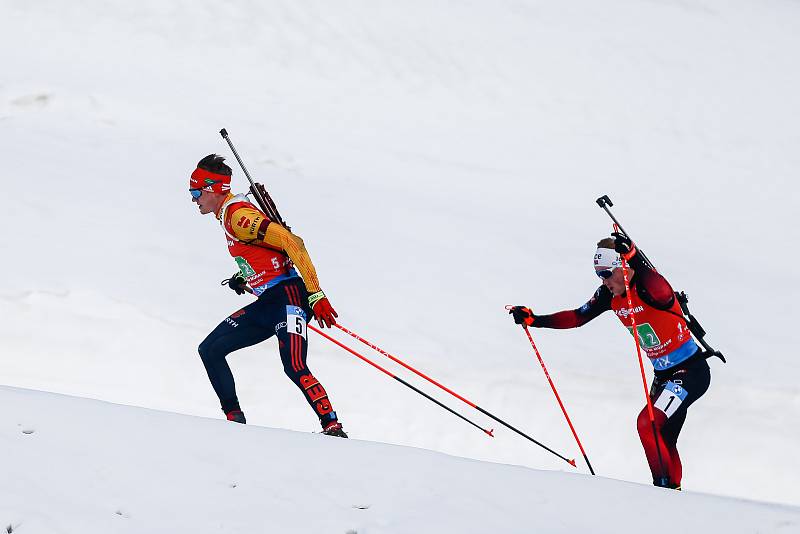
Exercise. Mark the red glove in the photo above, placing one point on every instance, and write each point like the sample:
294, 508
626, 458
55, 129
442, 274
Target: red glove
323, 311
522, 315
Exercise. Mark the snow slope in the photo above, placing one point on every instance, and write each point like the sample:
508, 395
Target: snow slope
441, 160
78, 465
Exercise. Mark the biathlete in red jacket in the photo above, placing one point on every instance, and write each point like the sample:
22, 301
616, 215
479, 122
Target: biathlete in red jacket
681, 373
267, 254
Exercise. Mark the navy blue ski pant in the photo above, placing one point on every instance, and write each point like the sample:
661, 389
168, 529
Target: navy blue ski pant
279, 306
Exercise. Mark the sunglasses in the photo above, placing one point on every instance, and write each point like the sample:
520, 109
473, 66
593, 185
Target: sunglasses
605, 273
196, 193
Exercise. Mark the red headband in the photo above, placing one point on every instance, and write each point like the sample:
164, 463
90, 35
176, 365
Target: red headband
209, 181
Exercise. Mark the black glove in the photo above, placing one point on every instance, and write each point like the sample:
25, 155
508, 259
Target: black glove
624, 245
236, 282
522, 315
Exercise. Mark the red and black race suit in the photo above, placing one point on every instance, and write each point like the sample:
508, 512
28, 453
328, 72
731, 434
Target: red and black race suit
681, 373
662, 330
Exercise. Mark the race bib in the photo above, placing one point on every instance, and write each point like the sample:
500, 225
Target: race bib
244, 266
296, 321
647, 336
671, 398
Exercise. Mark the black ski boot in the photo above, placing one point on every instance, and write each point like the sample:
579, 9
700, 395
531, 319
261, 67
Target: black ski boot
664, 482
237, 416
334, 428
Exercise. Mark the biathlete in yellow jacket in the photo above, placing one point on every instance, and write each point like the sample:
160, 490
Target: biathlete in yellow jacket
267, 254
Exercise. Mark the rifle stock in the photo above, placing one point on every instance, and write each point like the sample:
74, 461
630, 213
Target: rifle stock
259, 192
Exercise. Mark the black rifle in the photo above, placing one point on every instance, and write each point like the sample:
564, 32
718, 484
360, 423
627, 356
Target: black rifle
695, 328
259, 192
683, 299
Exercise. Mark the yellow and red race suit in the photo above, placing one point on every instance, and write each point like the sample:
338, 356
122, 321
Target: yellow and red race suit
264, 250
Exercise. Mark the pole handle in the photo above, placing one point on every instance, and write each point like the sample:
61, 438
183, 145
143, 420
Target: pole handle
602, 201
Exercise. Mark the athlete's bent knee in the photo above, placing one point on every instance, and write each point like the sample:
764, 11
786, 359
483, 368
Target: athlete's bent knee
206, 354
643, 421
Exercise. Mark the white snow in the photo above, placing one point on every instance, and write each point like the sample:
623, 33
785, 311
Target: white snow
440, 160
100, 467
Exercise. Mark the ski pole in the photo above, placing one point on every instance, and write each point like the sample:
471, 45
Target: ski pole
453, 393
378, 367
694, 326
558, 398
604, 202
261, 194
635, 333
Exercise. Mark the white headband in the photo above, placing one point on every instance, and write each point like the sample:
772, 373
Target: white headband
608, 258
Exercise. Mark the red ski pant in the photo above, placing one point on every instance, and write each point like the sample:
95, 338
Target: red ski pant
672, 392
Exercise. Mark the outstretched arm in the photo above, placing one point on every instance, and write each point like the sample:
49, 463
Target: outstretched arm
600, 302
